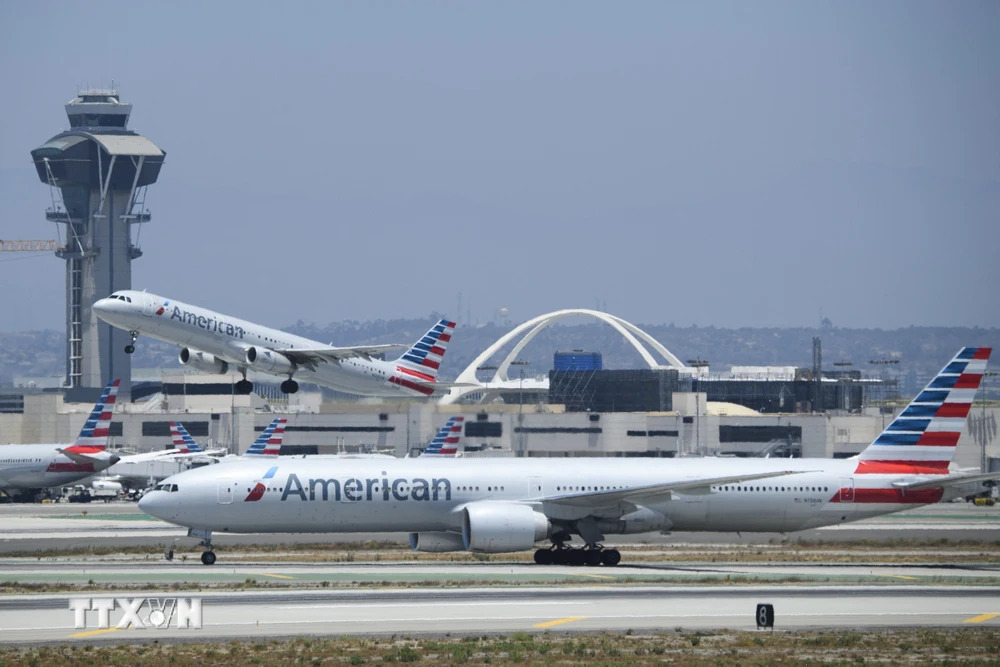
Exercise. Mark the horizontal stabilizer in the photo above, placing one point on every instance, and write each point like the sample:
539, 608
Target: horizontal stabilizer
946, 480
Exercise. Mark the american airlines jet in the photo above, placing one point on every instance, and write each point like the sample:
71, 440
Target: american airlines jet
30, 468
507, 505
212, 343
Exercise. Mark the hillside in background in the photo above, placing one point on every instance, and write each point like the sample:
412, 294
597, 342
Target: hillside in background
922, 351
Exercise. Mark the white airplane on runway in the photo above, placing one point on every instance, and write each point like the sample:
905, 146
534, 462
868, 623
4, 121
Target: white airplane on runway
507, 505
211, 342
187, 447
30, 468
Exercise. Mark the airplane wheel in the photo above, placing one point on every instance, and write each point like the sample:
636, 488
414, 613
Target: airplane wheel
244, 387
208, 558
592, 558
129, 349
611, 557
169, 554
577, 557
543, 557
289, 386
559, 557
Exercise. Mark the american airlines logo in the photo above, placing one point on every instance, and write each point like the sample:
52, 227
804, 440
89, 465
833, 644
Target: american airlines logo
212, 324
355, 490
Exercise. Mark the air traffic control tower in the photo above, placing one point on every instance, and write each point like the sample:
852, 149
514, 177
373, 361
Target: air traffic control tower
97, 172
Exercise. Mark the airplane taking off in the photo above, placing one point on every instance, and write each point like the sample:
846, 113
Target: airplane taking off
212, 342
31, 468
507, 505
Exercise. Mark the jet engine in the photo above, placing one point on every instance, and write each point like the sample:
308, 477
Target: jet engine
268, 361
499, 527
202, 361
643, 520
436, 542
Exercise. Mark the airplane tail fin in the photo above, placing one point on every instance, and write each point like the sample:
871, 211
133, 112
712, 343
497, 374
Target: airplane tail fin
94, 434
183, 440
421, 362
926, 433
447, 440
269, 441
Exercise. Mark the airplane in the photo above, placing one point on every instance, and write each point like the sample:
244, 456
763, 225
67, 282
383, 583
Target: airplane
186, 445
212, 342
447, 440
507, 505
28, 469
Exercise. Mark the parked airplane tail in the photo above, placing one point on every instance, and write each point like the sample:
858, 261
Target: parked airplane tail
183, 440
447, 440
419, 365
94, 434
926, 433
269, 441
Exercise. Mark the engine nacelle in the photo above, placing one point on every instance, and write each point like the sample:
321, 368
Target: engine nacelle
268, 361
499, 527
202, 361
436, 542
643, 520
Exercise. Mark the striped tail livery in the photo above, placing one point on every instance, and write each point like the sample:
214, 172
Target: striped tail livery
183, 440
447, 440
269, 441
417, 369
922, 439
94, 434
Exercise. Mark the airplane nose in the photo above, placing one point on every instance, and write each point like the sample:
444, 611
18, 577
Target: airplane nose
152, 504
103, 306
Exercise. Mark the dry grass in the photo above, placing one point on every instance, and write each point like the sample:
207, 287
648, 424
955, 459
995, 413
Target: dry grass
965, 646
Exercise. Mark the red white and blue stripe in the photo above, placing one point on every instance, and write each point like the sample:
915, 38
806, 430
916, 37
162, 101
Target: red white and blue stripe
419, 365
182, 439
447, 440
926, 433
268, 443
94, 433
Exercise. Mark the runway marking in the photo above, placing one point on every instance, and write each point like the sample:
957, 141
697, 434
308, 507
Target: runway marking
900, 576
91, 633
559, 621
276, 576
980, 618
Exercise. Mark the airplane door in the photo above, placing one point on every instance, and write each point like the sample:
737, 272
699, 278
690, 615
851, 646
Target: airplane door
226, 491
847, 490
535, 487
147, 305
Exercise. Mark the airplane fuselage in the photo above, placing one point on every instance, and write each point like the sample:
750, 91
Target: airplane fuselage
228, 338
314, 495
43, 467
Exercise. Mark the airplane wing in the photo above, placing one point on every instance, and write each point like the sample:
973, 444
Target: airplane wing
148, 456
945, 481
640, 494
78, 457
311, 356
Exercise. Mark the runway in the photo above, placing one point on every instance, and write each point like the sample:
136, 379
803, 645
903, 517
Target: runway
26, 528
482, 610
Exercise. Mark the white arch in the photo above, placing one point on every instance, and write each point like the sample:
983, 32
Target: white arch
533, 326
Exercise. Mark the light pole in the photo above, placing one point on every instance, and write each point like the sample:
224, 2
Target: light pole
882, 365
697, 364
520, 405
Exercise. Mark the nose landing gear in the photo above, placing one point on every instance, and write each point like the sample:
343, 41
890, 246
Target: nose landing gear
207, 556
130, 348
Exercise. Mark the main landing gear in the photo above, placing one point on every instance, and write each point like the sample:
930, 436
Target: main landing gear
591, 556
130, 348
289, 386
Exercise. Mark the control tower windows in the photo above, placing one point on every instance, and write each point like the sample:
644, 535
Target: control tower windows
98, 120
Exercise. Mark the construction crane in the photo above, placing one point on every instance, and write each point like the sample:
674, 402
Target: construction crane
30, 245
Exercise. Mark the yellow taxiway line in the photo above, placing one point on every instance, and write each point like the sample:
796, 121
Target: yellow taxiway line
559, 621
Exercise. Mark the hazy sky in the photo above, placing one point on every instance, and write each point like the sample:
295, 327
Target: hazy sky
735, 164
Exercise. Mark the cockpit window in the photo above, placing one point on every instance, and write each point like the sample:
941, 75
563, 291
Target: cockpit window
160, 487
173, 488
